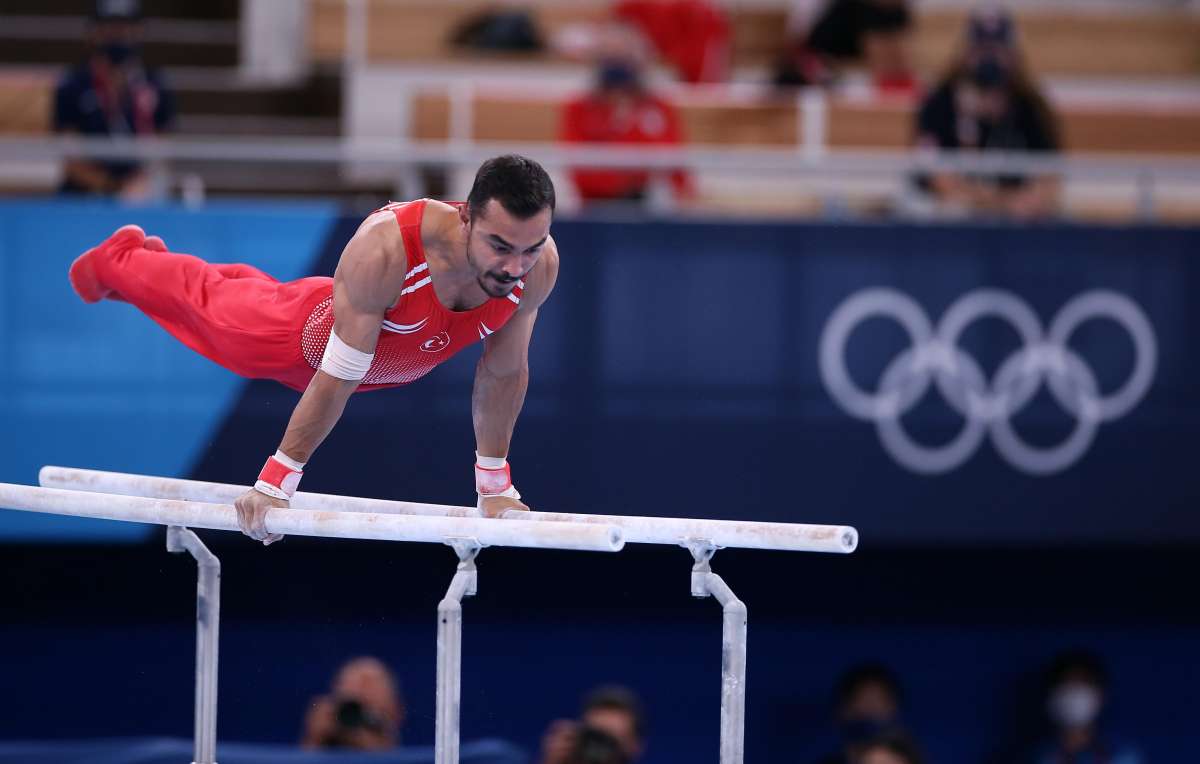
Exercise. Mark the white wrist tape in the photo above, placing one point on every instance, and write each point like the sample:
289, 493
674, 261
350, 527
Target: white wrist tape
279, 477
493, 477
289, 462
344, 362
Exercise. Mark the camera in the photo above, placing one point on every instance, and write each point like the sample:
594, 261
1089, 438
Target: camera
351, 714
594, 746
351, 717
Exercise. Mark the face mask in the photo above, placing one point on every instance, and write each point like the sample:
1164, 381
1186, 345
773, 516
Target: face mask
119, 52
1074, 704
989, 73
617, 74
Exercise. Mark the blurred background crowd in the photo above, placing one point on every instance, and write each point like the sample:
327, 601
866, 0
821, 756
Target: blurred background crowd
729, 174
1062, 720
817, 107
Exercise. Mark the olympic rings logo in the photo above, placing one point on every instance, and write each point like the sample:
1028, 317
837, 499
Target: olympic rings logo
987, 406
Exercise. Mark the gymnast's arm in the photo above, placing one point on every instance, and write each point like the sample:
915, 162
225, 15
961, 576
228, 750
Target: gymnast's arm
368, 279
502, 375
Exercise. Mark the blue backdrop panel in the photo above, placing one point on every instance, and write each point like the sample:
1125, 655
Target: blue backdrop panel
702, 342
101, 385
669, 342
966, 689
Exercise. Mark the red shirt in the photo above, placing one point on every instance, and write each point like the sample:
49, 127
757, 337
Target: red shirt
692, 34
640, 120
418, 332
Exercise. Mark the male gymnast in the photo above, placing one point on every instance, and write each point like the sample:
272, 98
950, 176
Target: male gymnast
418, 282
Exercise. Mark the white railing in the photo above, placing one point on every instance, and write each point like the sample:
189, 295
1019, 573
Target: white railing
400, 154
399, 160
183, 503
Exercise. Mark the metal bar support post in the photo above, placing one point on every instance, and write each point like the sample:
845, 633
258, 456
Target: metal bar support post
733, 650
449, 651
208, 613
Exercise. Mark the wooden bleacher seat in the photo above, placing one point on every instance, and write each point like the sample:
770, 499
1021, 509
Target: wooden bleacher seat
420, 30
1156, 42
851, 124
26, 102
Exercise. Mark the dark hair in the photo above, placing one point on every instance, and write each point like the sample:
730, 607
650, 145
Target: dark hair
897, 742
618, 698
857, 677
1076, 663
520, 184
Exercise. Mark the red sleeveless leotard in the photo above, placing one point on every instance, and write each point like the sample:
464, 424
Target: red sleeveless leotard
418, 332
261, 328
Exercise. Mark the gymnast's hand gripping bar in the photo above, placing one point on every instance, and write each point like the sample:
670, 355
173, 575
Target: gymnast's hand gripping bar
304, 522
790, 537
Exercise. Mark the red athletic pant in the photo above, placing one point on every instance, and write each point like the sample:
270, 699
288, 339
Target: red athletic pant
234, 315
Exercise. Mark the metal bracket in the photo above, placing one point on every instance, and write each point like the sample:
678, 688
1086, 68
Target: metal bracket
449, 650
467, 550
702, 552
175, 539
705, 583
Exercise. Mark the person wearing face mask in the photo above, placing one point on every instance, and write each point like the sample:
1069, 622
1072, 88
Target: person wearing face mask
1075, 697
620, 109
988, 101
112, 93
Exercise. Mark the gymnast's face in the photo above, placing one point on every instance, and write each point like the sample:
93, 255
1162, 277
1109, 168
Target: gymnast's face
502, 248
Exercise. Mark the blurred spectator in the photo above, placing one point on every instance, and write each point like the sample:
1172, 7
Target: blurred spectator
1076, 690
621, 110
873, 32
692, 35
988, 101
611, 730
866, 704
364, 710
889, 748
112, 93
504, 27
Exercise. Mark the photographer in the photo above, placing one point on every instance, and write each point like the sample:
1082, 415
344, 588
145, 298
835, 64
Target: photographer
611, 730
363, 712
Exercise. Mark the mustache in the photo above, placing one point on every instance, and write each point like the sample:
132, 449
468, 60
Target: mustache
503, 278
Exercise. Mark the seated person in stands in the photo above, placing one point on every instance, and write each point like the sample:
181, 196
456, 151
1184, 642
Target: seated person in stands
112, 93
874, 33
1076, 690
364, 710
611, 730
989, 102
866, 705
621, 110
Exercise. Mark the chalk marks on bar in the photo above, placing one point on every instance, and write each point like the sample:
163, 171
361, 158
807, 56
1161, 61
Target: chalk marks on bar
304, 522
790, 537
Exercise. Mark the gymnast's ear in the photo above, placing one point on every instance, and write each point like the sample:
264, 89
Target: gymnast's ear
464, 213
